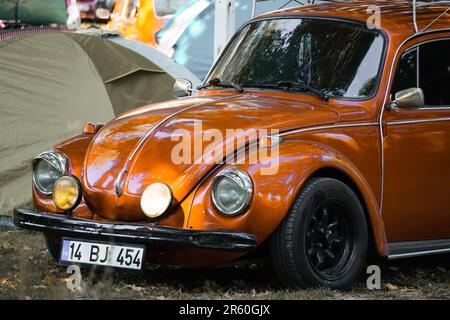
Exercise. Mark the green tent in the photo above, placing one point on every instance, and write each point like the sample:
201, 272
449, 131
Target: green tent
35, 12
51, 84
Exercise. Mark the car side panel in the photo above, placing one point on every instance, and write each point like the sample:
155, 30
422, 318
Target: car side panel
417, 176
300, 156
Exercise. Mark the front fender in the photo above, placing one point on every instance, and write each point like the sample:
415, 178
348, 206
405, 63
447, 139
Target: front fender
274, 192
74, 149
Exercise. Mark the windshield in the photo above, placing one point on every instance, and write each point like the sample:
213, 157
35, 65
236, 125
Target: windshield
341, 59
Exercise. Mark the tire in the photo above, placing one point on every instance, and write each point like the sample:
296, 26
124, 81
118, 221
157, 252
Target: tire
53, 248
322, 242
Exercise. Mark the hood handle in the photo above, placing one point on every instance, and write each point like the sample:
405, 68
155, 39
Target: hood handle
118, 183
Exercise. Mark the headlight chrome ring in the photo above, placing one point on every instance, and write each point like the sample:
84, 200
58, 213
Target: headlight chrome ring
48, 167
232, 191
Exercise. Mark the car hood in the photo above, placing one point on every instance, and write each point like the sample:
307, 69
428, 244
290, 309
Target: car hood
143, 141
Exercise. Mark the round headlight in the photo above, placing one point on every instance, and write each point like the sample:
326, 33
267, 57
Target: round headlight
156, 199
47, 168
232, 191
66, 193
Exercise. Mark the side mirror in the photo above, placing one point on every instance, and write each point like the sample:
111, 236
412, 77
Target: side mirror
411, 98
102, 13
182, 88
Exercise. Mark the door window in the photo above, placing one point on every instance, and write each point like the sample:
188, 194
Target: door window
426, 66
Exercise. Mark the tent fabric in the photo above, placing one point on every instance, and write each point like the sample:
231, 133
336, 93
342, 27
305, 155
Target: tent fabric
43, 99
127, 91
51, 84
130, 79
175, 70
112, 65
152, 82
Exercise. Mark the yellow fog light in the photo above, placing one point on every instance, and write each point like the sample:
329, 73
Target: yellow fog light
66, 193
156, 199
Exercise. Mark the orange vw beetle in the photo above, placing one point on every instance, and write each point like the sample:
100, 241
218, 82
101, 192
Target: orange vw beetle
317, 136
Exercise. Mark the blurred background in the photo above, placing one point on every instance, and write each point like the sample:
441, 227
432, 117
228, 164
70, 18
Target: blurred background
184, 30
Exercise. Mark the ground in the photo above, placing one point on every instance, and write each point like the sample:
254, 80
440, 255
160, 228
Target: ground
28, 272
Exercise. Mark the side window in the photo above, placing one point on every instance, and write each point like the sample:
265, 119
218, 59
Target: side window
426, 66
406, 75
434, 72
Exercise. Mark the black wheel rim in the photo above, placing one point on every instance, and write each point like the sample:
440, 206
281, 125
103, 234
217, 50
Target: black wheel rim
330, 244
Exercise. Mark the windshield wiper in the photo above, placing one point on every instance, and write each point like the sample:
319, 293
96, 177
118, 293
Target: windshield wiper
216, 82
291, 85
302, 85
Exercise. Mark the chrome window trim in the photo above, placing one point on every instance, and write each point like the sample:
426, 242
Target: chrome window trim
418, 67
318, 17
417, 46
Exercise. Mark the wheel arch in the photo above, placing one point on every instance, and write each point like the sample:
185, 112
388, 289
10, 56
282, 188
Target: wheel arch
375, 242
296, 162
301, 160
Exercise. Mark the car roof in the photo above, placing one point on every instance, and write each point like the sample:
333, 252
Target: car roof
396, 17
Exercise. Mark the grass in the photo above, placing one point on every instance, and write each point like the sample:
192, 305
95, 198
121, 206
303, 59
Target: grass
28, 272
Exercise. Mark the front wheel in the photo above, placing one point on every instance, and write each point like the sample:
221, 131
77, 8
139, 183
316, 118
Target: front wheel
323, 239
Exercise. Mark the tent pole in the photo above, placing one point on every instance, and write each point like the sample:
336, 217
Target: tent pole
253, 9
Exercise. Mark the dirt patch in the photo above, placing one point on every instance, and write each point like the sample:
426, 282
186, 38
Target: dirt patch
28, 272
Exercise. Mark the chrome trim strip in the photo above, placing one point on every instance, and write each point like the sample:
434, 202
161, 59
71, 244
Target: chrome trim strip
118, 183
417, 253
362, 124
407, 249
399, 122
435, 108
153, 129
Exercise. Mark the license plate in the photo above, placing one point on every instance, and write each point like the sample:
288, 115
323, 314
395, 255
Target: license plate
102, 254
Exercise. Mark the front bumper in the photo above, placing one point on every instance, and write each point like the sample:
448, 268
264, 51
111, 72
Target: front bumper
132, 232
